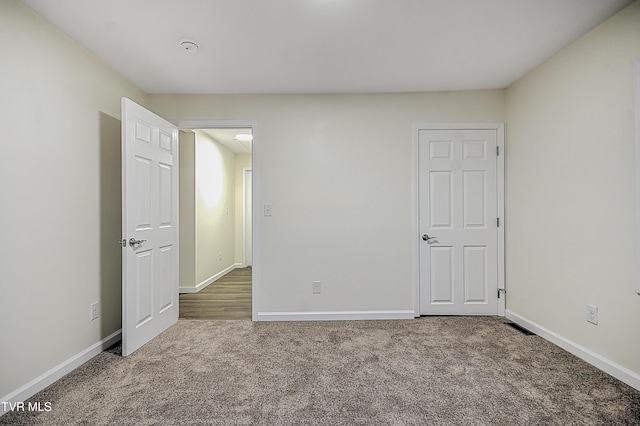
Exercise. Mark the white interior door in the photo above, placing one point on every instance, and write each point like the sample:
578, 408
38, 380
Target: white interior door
247, 209
149, 225
458, 222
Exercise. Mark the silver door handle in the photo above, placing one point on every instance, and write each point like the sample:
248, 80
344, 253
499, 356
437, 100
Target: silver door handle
425, 237
133, 242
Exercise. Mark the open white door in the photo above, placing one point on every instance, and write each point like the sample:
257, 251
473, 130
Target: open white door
149, 225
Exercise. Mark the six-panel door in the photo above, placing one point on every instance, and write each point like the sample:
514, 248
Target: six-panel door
149, 223
458, 212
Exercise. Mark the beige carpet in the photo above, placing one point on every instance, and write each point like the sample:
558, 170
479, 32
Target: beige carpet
428, 371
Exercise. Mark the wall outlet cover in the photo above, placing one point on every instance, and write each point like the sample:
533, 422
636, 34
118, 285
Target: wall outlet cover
94, 311
592, 314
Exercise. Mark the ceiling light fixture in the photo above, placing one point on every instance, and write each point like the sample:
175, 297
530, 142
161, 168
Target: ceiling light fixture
244, 137
189, 46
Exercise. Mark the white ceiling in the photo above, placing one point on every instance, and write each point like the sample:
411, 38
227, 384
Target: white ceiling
324, 46
227, 137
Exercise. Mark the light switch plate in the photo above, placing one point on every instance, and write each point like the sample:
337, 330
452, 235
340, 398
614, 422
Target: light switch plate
268, 210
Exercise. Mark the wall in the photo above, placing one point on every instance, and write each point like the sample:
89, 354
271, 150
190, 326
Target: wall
215, 208
187, 201
207, 210
339, 171
210, 210
60, 188
242, 161
570, 193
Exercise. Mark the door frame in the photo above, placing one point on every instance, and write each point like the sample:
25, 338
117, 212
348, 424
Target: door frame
499, 128
245, 172
636, 80
253, 125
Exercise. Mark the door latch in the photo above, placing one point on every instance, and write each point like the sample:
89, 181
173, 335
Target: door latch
501, 290
134, 242
122, 243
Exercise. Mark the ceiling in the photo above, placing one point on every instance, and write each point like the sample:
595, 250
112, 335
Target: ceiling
324, 46
227, 137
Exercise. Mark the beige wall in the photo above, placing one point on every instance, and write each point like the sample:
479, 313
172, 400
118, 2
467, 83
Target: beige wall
207, 210
338, 170
210, 182
60, 195
570, 192
187, 226
215, 207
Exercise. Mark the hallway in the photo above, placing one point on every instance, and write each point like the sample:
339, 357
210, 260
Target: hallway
228, 298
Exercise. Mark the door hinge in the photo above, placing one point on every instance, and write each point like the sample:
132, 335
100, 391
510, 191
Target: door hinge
498, 222
501, 290
497, 151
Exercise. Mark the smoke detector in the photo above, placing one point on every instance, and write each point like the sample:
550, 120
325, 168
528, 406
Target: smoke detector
189, 46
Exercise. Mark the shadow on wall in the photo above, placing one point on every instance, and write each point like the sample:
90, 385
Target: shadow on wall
110, 164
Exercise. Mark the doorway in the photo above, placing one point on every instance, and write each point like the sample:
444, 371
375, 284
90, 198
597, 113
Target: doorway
151, 216
216, 220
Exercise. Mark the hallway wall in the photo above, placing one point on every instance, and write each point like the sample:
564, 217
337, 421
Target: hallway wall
207, 210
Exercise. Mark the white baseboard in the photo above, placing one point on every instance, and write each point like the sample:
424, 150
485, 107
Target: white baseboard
335, 315
39, 383
209, 280
619, 372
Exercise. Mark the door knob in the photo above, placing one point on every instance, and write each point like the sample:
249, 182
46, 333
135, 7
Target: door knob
425, 237
133, 242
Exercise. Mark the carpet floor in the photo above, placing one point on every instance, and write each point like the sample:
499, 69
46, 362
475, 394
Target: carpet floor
427, 371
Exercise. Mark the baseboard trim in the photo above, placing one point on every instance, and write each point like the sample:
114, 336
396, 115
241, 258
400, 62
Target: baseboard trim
39, 383
209, 280
619, 372
335, 315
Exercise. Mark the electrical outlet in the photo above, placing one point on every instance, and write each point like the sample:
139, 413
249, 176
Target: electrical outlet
317, 287
268, 210
220, 256
95, 311
592, 314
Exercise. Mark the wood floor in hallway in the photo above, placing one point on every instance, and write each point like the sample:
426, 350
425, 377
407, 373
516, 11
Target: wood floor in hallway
229, 298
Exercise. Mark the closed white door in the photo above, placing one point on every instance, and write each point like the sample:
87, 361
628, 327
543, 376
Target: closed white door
149, 225
458, 222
